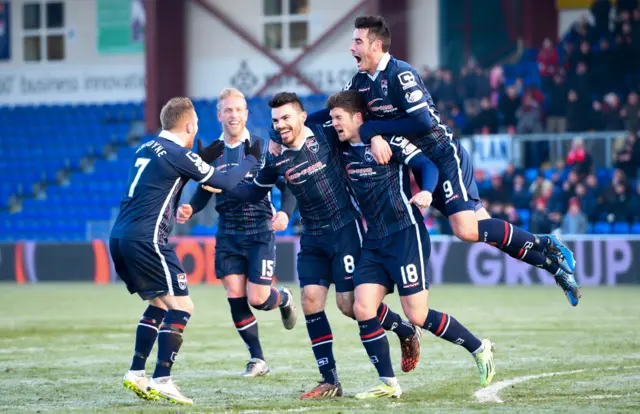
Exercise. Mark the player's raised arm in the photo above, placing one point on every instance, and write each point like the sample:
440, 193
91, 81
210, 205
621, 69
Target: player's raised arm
425, 171
259, 188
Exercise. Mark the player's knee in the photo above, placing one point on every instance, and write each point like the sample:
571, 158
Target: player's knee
364, 311
417, 316
465, 232
256, 299
185, 304
347, 309
311, 305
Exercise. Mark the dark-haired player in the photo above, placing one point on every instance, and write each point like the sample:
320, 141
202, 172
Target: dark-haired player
245, 242
399, 104
396, 247
331, 239
138, 241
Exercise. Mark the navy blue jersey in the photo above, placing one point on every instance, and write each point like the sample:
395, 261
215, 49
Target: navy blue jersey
235, 216
157, 174
383, 191
397, 91
316, 178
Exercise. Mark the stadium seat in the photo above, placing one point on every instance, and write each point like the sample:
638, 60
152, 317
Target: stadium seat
635, 228
602, 227
621, 228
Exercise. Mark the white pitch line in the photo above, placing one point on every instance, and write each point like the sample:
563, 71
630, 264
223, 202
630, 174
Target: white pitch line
490, 393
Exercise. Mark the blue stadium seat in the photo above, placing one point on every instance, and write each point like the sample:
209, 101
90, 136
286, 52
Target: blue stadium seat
602, 227
621, 228
635, 228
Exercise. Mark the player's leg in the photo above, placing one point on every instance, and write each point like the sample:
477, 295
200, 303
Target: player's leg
313, 274
564, 279
409, 272
372, 284
347, 245
231, 267
262, 296
135, 378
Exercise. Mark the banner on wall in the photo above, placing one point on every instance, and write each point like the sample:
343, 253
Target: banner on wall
5, 31
121, 25
609, 262
492, 153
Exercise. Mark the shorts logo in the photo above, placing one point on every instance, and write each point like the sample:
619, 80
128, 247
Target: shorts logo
182, 280
407, 80
313, 145
384, 86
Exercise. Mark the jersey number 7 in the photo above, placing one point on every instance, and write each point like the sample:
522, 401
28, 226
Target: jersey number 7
141, 164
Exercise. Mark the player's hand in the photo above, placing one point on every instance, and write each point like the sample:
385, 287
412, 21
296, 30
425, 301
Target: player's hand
422, 199
280, 221
211, 189
212, 152
184, 213
380, 150
254, 149
274, 148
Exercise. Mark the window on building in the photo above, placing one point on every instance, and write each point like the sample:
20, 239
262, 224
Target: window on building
286, 24
43, 31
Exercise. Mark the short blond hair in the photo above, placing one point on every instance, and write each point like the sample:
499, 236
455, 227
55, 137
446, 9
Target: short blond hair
229, 93
174, 110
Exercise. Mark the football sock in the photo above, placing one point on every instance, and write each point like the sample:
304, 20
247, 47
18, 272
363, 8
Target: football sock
375, 341
146, 335
275, 299
391, 321
322, 345
448, 328
246, 325
501, 233
532, 257
169, 341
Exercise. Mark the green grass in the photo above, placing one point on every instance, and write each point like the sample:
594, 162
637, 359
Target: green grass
65, 347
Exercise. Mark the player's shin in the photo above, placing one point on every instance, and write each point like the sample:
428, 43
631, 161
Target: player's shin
169, 341
391, 321
246, 325
375, 341
322, 345
146, 335
502, 234
448, 328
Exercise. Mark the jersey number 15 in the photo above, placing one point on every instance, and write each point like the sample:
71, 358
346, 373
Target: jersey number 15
141, 164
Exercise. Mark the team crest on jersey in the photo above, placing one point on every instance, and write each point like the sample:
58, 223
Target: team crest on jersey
384, 86
368, 157
313, 145
182, 280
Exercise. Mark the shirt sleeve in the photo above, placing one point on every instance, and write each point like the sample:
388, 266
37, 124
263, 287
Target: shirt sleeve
409, 91
190, 165
425, 171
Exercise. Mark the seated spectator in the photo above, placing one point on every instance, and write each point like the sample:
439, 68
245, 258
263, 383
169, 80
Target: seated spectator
548, 62
520, 196
557, 105
575, 221
539, 222
579, 158
529, 116
508, 106
628, 158
631, 113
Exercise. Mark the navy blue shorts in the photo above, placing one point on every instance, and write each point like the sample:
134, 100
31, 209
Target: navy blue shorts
148, 269
457, 189
399, 259
330, 258
251, 255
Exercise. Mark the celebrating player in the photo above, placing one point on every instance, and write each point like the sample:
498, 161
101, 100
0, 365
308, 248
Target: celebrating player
245, 243
396, 247
399, 104
330, 244
138, 242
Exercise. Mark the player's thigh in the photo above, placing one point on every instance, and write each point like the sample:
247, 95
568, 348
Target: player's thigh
347, 248
313, 298
313, 265
416, 307
261, 258
368, 297
407, 258
120, 265
369, 279
235, 285
456, 190
482, 214
230, 257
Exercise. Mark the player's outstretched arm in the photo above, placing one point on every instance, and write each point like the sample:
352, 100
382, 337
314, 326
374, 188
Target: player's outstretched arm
229, 179
318, 117
200, 199
425, 171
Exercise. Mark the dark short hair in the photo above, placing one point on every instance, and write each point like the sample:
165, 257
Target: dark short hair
351, 101
283, 98
378, 29
173, 111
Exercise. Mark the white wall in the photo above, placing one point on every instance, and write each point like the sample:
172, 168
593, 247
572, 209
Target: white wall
215, 54
83, 76
424, 33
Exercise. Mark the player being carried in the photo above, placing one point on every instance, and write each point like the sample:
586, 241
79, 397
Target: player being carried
396, 247
245, 242
330, 244
138, 241
399, 104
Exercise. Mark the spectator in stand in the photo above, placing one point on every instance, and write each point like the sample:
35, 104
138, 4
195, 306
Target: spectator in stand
627, 6
520, 196
539, 222
616, 202
512, 215
486, 122
446, 92
508, 106
611, 113
496, 80
529, 116
588, 204
578, 112
600, 9
601, 69
631, 113
626, 58
557, 105
628, 158
548, 62
508, 175
634, 205
575, 221
581, 82
579, 158
458, 117
498, 193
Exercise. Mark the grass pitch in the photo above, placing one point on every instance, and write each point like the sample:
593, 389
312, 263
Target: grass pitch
65, 347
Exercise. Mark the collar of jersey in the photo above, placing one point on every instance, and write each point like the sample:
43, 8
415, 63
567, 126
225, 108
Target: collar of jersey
382, 65
245, 135
171, 137
307, 134
357, 144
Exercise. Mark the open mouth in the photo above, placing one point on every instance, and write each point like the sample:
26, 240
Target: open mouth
358, 59
285, 134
